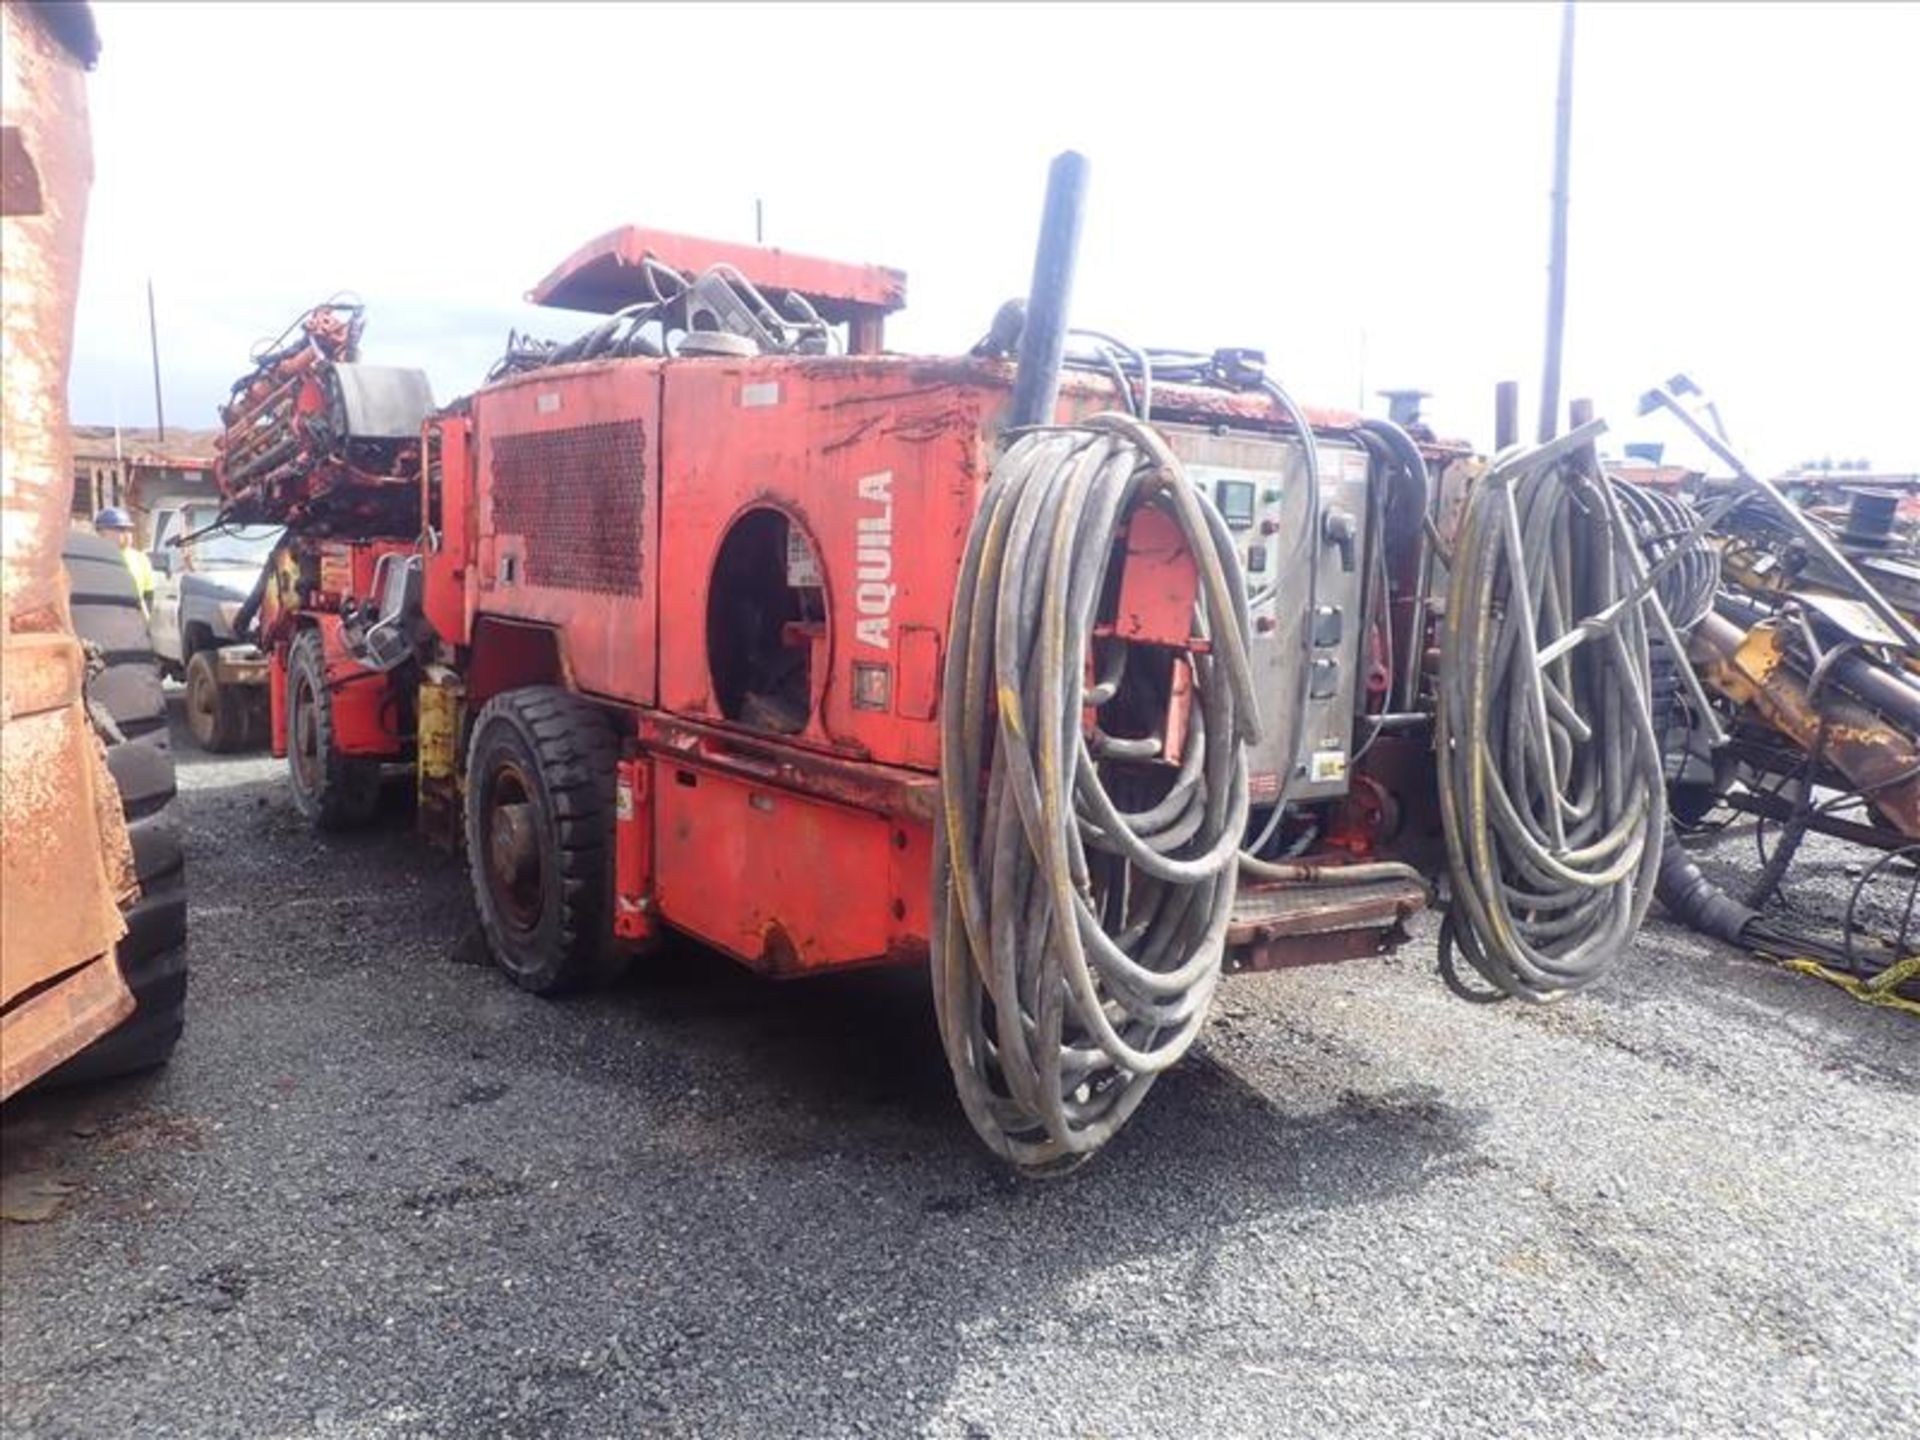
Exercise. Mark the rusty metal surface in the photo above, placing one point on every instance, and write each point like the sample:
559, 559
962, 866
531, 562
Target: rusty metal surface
1279, 925
1158, 584
19, 177
43, 102
1276, 911
64, 856
60, 1020
882, 789
1284, 952
606, 274
1750, 668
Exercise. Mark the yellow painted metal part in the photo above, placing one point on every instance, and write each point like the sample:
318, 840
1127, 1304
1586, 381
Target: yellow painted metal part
1749, 668
441, 702
1748, 672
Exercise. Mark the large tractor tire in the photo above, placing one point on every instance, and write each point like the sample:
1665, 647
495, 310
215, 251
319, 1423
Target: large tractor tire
107, 616
334, 791
153, 953
540, 802
216, 718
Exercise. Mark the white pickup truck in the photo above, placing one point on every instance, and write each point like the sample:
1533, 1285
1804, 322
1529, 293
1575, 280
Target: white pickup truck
200, 583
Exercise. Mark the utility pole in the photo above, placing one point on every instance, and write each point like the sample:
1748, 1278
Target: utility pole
759, 222
1557, 253
153, 336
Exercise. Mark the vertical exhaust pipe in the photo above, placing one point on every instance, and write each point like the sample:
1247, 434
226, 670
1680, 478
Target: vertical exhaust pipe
1043, 338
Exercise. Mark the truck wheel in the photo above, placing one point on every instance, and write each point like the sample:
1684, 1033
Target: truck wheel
216, 718
334, 791
540, 783
153, 953
257, 717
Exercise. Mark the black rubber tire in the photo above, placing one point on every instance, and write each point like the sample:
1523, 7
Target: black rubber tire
153, 953
107, 615
340, 791
144, 777
565, 750
153, 960
216, 716
256, 718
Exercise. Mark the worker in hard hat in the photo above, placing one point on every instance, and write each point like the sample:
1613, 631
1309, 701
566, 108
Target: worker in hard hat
118, 524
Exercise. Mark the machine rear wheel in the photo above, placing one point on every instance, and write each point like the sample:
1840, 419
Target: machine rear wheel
334, 791
539, 820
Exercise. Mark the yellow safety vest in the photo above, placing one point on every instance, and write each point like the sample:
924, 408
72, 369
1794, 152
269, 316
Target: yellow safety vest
142, 571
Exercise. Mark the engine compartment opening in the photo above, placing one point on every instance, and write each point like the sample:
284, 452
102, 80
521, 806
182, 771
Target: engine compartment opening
766, 616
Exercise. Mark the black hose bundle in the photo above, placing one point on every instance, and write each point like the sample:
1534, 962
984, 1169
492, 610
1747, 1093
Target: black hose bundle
1079, 942
1550, 779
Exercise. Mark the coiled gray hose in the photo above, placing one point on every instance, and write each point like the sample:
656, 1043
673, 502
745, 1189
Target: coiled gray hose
1078, 943
1669, 534
1550, 781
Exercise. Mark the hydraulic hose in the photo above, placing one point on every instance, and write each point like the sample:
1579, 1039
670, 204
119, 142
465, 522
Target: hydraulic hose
1078, 941
1694, 900
1370, 872
1666, 527
250, 607
1413, 466
1551, 790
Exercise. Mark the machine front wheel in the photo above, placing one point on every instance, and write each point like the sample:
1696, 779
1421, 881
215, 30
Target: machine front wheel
332, 790
539, 820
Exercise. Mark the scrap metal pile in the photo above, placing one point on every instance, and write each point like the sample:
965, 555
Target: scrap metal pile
1809, 660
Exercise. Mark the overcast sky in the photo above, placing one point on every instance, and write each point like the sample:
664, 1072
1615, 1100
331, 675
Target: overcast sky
1360, 191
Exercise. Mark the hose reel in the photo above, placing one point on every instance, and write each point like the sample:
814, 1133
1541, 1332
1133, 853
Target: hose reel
1552, 793
1078, 941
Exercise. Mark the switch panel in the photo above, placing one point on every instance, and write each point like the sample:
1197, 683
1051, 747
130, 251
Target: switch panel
1259, 483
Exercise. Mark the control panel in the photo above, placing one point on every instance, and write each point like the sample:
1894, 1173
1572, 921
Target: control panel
1259, 485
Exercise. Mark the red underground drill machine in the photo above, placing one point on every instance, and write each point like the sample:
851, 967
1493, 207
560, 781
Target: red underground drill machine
1079, 672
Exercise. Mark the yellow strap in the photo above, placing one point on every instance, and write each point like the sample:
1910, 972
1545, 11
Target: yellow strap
1880, 990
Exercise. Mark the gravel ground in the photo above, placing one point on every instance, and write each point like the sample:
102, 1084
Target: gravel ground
379, 1192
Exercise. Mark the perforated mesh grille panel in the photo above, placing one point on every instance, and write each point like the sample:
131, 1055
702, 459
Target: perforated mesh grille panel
577, 496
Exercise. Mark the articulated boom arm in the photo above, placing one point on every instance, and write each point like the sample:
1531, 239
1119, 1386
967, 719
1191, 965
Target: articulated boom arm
315, 439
